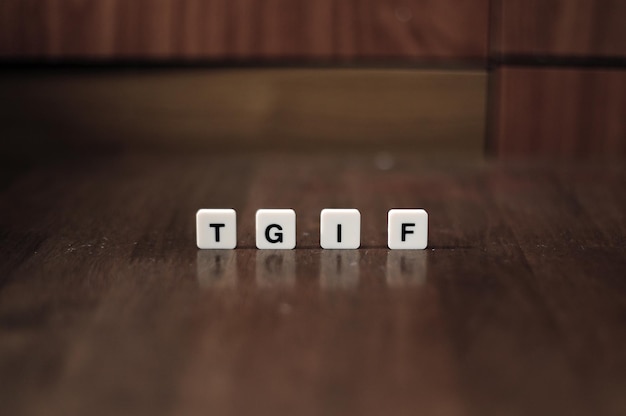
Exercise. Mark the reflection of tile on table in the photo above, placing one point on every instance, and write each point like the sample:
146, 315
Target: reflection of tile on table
406, 268
216, 268
339, 269
275, 268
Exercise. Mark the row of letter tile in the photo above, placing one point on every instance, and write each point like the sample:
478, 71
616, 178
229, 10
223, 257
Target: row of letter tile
339, 229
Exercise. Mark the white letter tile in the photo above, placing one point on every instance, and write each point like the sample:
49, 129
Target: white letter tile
407, 229
216, 228
276, 229
340, 228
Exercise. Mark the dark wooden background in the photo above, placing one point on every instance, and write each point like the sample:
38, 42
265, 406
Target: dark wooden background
559, 27
119, 119
555, 67
247, 109
244, 29
560, 81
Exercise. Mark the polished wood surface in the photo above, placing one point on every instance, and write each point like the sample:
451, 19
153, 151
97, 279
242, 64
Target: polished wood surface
244, 29
244, 109
560, 27
107, 307
560, 112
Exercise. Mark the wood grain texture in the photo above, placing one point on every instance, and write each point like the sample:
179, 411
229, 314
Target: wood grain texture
560, 27
243, 29
560, 112
440, 111
107, 307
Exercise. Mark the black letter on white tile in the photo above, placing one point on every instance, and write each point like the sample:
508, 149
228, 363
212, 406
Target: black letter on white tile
217, 230
278, 237
406, 231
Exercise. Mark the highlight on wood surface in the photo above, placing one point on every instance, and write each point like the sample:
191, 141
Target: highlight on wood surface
254, 109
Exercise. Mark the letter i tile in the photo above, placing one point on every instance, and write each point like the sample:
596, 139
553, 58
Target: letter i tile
340, 228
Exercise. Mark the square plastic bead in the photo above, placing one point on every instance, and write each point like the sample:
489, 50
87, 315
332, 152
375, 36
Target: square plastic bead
407, 229
340, 228
276, 229
216, 228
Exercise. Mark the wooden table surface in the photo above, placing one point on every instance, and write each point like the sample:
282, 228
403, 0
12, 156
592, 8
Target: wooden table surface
518, 306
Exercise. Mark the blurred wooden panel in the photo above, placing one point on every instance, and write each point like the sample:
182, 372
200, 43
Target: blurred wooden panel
560, 112
246, 109
561, 27
242, 29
